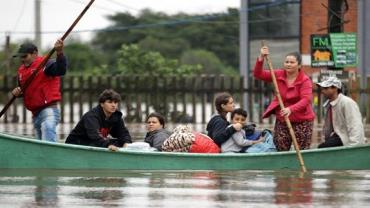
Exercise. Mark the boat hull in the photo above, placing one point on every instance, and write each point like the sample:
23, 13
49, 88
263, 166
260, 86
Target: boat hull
18, 153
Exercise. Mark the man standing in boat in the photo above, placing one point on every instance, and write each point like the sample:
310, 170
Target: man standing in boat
101, 122
343, 120
42, 95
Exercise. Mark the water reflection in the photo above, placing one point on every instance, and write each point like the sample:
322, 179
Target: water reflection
342, 187
53, 188
46, 191
293, 190
105, 191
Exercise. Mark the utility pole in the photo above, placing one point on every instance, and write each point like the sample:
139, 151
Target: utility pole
244, 49
364, 49
335, 24
38, 24
7, 54
335, 16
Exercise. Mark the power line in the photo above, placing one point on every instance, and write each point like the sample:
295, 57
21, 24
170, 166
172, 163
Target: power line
205, 19
139, 26
20, 14
123, 5
95, 6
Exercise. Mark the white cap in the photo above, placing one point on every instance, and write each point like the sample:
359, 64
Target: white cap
331, 81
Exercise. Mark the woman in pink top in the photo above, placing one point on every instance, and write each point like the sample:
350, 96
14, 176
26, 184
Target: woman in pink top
296, 92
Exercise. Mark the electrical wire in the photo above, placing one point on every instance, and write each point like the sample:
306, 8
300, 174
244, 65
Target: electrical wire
20, 14
205, 19
95, 6
123, 5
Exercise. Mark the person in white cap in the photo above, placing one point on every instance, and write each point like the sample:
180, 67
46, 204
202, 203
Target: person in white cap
343, 120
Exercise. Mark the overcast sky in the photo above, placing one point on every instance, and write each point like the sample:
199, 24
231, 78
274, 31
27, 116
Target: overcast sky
17, 16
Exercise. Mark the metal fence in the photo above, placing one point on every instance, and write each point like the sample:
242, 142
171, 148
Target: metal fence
181, 99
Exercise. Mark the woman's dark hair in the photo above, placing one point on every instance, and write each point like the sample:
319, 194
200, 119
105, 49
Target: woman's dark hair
158, 116
109, 94
297, 56
221, 99
239, 111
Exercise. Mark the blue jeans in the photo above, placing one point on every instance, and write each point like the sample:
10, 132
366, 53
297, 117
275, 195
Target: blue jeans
45, 123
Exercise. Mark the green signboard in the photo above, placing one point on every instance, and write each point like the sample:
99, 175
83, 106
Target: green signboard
334, 50
321, 54
344, 49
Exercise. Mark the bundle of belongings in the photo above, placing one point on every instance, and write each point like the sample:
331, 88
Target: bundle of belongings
252, 134
184, 139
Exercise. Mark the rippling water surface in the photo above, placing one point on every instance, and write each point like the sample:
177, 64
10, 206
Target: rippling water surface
52, 188
97, 188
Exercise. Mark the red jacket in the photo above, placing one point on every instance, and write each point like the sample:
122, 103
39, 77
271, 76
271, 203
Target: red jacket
43, 90
298, 96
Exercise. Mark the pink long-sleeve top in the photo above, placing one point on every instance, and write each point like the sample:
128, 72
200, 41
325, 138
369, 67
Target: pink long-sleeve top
297, 96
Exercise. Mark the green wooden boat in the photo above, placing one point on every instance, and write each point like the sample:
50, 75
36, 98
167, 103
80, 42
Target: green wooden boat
20, 152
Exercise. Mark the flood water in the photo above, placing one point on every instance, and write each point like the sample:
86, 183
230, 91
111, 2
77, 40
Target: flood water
107, 188
51, 188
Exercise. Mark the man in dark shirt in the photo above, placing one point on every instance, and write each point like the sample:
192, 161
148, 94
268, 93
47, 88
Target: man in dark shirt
101, 122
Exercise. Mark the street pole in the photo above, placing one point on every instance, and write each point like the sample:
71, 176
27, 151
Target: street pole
363, 45
38, 24
244, 50
7, 54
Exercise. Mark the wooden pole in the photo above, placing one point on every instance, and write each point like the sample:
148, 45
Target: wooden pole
286, 118
46, 58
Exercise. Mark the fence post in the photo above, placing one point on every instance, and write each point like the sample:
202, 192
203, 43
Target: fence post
71, 92
138, 115
368, 101
62, 106
203, 97
174, 87
81, 90
193, 98
211, 88
147, 95
260, 101
242, 91
184, 87
165, 92
319, 105
6, 95
251, 98
197, 91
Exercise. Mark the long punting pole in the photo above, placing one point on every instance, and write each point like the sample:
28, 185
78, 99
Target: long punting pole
287, 121
46, 58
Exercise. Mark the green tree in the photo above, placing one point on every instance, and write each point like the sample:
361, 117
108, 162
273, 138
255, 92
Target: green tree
208, 60
218, 33
83, 59
172, 35
171, 48
132, 60
128, 29
8, 64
